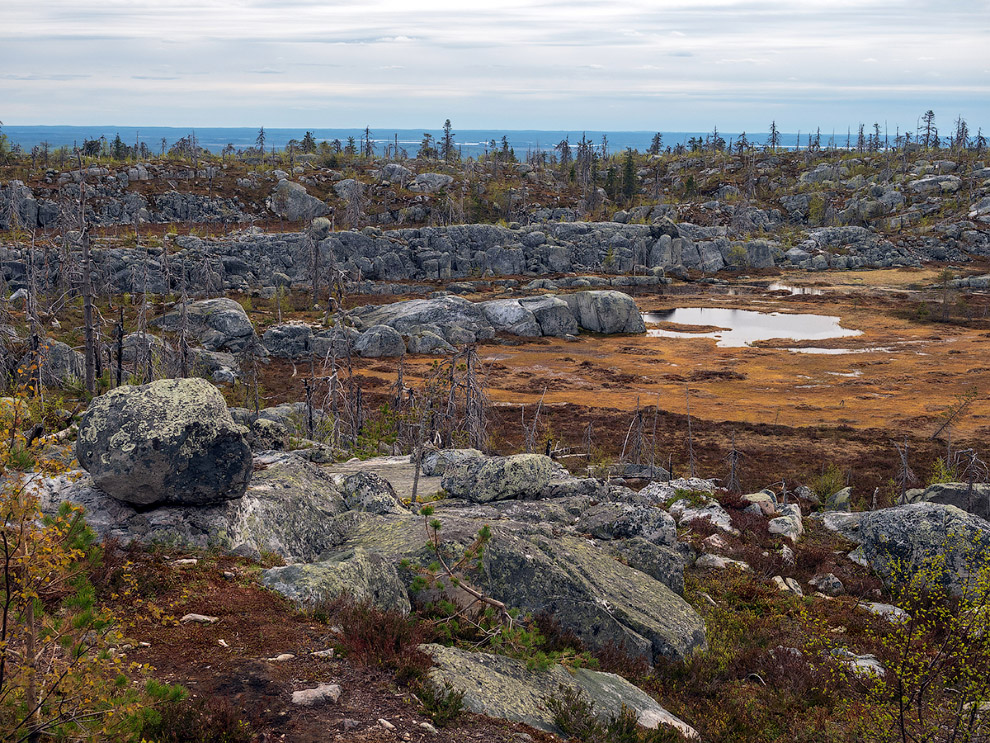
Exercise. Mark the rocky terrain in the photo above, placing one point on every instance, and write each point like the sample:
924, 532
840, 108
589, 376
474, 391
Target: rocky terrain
448, 474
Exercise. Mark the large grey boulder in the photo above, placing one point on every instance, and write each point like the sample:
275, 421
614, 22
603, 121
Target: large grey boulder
606, 312
627, 520
369, 492
975, 500
436, 462
457, 319
219, 324
168, 442
291, 202
498, 478
291, 340
362, 575
663, 563
291, 508
430, 182
553, 315
945, 542
380, 341
509, 316
501, 687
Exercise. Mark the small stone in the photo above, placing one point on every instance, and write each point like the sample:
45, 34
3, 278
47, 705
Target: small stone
282, 657
228, 575
199, 619
787, 555
185, 562
144, 644
827, 584
349, 724
223, 643
328, 653
318, 695
428, 728
386, 724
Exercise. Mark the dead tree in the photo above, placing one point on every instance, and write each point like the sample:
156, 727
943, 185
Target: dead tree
905, 475
690, 433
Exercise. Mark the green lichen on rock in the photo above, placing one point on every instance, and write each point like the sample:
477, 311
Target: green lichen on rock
498, 478
505, 688
363, 575
168, 442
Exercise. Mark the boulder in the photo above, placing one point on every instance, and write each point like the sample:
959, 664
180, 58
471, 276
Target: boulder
60, 364
219, 324
606, 312
958, 494
509, 316
664, 564
839, 500
363, 575
457, 319
789, 523
552, 314
290, 340
498, 478
380, 341
626, 520
430, 182
428, 343
436, 462
290, 509
291, 202
505, 688
945, 543
267, 435
366, 491
168, 442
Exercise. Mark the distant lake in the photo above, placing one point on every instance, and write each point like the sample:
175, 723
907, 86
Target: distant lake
470, 141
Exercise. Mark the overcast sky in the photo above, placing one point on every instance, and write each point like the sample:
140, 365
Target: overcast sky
672, 65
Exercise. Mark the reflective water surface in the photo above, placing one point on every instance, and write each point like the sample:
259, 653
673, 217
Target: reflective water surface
739, 328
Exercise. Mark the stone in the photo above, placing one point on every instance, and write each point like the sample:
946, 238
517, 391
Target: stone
291, 340
430, 182
958, 494
498, 478
380, 341
291, 202
893, 614
169, 442
865, 666
59, 363
626, 520
552, 314
290, 509
606, 312
358, 573
268, 435
839, 501
789, 524
370, 493
663, 563
426, 342
509, 316
827, 584
436, 462
505, 688
707, 509
715, 562
198, 619
321, 694
219, 324
945, 543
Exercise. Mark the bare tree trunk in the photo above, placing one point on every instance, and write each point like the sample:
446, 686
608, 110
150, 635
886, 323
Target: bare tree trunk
90, 333
687, 398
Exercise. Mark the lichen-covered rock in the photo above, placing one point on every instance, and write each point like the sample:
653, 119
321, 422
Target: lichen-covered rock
946, 543
268, 435
663, 563
502, 687
219, 324
368, 492
437, 462
362, 575
552, 314
291, 340
498, 478
168, 442
626, 520
789, 523
292, 509
428, 343
606, 312
533, 568
58, 362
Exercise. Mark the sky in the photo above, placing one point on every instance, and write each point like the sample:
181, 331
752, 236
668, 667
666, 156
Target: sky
671, 65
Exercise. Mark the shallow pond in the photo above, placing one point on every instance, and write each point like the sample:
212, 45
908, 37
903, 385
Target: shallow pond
739, 328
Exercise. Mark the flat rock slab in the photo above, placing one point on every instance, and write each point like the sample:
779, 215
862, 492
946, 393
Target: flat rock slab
502, 687
397, 470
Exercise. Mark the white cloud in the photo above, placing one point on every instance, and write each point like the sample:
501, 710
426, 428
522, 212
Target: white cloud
492, 63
